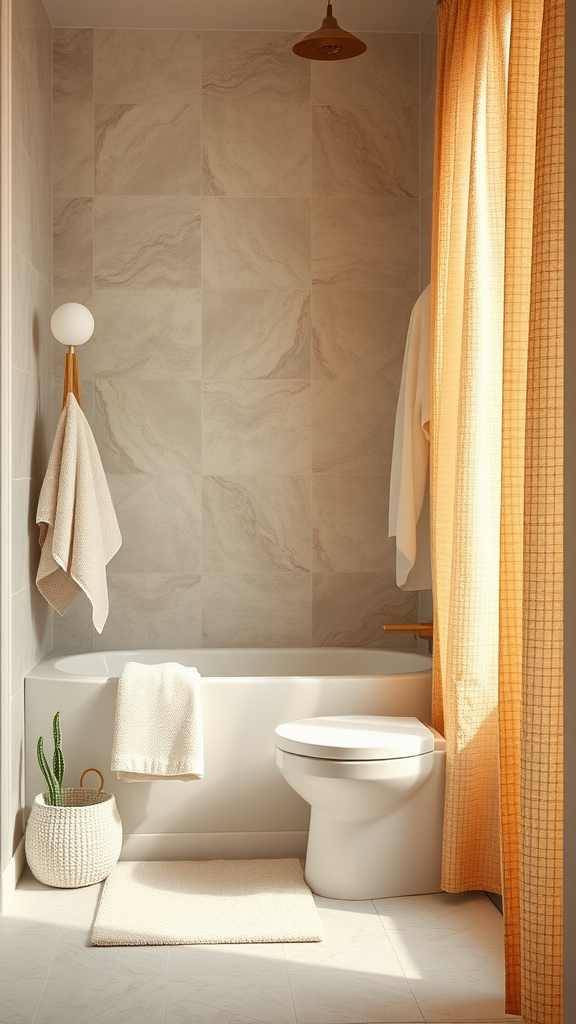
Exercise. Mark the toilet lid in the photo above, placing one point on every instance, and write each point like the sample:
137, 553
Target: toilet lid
355, 737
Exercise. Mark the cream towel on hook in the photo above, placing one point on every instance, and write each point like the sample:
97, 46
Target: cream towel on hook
79, 532
409, 513
158, 730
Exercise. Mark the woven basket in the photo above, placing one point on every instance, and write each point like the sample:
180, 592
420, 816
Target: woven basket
76, 844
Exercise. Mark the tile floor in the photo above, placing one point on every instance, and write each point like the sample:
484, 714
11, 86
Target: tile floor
413, 959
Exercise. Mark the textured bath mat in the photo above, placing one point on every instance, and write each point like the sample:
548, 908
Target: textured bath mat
177, 902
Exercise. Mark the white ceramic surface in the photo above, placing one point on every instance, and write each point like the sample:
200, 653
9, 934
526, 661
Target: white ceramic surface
242, 807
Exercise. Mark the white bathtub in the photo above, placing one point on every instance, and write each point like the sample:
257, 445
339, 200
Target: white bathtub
242, 807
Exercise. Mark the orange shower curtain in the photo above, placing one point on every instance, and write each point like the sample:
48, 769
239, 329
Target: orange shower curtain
496, 471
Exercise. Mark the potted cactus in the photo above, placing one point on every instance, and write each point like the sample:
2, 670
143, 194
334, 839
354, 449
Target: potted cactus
74, 835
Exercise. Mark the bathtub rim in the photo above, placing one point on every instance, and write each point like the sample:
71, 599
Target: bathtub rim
50, 669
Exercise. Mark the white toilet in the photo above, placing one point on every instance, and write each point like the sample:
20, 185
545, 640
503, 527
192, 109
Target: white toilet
376, 789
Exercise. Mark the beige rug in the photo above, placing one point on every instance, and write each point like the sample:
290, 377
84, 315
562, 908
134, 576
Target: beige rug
161, 903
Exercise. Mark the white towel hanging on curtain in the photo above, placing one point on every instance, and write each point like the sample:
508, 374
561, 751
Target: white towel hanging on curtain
409, 513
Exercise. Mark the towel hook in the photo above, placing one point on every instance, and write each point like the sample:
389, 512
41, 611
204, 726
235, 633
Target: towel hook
72, 324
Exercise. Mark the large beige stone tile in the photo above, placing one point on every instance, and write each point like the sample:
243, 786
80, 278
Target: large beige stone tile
31, 632
256, 333
31, 111
256, 609
160, 519
365, 243
386, 73
146, 66
147, 148
360, 152
73, 151
148, 426
25, 550
32, 33
360, 334
256, 427
425, 239
353, 427
349, 610
148, 335
256, 243
256, 148
428, 59
31, 212
427, 148
75, 630
350, 524
256, 523
146, 242
152, 610
31, 296
73, 243
254, 65
72, 66
28, 440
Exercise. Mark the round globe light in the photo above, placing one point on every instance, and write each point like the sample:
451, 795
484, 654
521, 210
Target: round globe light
72, 324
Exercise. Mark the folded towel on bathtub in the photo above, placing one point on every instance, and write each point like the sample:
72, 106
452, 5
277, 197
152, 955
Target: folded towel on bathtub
158, 729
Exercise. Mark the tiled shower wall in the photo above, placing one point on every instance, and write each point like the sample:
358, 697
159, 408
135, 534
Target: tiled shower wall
244, 225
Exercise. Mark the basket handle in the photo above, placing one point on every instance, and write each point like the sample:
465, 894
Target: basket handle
98, 772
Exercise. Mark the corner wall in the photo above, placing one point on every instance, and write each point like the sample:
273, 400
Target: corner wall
26, 396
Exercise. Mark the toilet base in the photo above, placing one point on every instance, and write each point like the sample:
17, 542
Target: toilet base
397, 855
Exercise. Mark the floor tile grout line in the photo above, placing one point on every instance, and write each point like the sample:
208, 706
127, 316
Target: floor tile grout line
49, 971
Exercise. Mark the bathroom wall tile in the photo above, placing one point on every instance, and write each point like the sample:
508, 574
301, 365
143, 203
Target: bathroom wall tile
256, 333
152, 610
148, 426
350, 525
230, 999
365, 153
247, 66
428, 59
148, 335
349, 610
31, 212
425, 238
256, 427
256, 148
15, 764
427, 147
386, 74
75, 631
72, 243
360, 334
160, 522
31, 296
252, 609
146, 66
256, 523
147, 148
256, 243
352, 426
31, 632
27, 440
72, 65
147, 242
73, 150
31, 122
32, 33
365, 243
25, 551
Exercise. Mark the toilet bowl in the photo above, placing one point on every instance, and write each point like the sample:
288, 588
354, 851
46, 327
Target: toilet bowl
375, 786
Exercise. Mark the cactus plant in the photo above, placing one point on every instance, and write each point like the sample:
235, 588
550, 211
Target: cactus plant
54, 779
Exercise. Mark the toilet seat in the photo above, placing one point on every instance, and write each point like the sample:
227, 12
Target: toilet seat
355, 737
